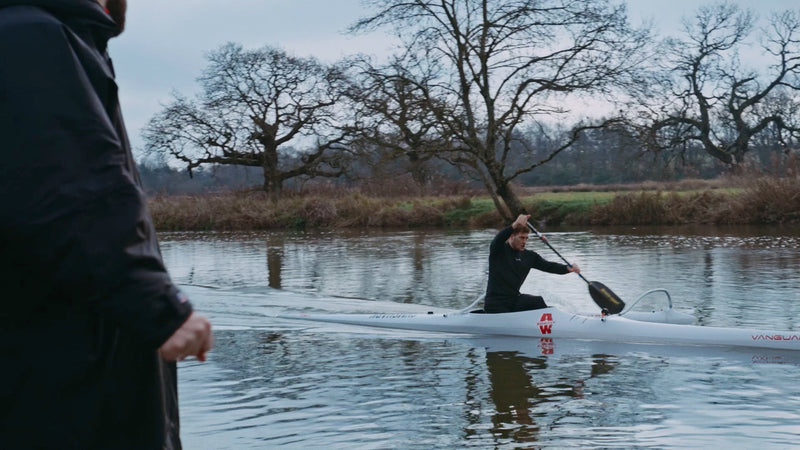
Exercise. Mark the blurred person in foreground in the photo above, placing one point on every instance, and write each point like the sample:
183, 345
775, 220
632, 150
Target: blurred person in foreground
509, 264
90, 323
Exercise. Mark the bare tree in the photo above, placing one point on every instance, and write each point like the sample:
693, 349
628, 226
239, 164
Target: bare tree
261, 108
710, 99
502, 66
392, 114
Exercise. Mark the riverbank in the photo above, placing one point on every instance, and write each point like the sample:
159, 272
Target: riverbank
764, 200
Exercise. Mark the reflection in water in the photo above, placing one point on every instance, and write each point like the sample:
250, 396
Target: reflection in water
275, 259
514, 395
520, 395
303, 390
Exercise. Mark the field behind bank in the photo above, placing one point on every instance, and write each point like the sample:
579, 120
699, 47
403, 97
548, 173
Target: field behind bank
754, 200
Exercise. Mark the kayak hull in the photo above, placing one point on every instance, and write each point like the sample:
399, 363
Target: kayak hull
554, 323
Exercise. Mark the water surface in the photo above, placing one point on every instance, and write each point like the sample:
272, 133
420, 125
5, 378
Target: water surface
278, 383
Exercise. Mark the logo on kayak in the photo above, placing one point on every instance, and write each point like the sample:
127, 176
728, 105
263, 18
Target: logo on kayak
776, 337
394, 316
546, 323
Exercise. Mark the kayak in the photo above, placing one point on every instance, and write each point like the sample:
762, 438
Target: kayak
666, 326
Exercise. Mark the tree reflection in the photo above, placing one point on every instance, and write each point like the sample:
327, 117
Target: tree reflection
275, 243
518, 399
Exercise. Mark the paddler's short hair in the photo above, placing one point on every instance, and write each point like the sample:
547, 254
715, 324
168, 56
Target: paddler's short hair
517, 228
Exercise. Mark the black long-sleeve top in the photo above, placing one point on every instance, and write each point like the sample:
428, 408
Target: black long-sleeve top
508, 268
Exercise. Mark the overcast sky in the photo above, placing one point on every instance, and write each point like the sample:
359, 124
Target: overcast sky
164, 46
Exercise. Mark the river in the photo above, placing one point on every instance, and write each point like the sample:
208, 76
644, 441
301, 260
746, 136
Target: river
277, 383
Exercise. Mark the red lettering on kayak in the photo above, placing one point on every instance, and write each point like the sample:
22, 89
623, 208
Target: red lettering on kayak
546, 323
776, 337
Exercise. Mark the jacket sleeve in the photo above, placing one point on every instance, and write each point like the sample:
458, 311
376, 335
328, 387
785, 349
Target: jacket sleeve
500, 239
539, 263
75, 231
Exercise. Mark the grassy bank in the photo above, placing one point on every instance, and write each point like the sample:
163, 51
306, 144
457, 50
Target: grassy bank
757, 201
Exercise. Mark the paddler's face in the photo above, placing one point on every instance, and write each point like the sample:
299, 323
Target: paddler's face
517, 241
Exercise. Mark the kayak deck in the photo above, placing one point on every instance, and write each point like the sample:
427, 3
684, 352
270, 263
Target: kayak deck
554, 323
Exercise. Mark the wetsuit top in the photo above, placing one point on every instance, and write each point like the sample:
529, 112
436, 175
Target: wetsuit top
508, 268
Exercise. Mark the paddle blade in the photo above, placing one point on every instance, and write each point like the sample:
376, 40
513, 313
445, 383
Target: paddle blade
605, 298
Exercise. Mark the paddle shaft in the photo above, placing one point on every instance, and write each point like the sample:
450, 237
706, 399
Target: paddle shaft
543, 239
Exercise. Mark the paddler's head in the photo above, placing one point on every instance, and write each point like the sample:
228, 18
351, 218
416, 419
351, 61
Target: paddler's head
519, 237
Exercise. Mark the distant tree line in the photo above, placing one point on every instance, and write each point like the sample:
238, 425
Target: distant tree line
486, 92
598, 158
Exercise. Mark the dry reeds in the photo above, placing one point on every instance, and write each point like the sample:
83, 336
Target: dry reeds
764, 200
759, 200
658, 208
254, 211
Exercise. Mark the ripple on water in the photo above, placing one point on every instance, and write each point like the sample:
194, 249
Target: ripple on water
270, 383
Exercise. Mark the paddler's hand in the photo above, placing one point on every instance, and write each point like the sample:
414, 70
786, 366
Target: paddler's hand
573, 268
193, 338
521, 222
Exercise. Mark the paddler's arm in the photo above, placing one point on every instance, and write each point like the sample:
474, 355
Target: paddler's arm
544, 265
500, 239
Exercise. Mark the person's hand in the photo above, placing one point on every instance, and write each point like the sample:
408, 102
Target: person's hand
573, 268
522, 221
193, 338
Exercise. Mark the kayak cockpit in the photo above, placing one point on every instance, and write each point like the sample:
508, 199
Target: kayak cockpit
476, 307
649, 311
654, 313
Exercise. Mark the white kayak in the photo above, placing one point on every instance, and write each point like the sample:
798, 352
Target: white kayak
658, 327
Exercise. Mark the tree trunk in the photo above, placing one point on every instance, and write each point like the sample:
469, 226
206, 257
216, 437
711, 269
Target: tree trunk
490, 188
510, 198
419, 172
273, 185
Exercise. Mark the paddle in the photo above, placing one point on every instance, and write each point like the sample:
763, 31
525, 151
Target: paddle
607, 300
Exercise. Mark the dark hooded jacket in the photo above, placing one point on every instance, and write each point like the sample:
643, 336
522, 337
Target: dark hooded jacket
85, 300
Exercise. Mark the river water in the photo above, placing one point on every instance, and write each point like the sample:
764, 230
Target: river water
278, 383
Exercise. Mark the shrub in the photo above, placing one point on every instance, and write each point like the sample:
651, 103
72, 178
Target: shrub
646, 208
764, 200
761, 200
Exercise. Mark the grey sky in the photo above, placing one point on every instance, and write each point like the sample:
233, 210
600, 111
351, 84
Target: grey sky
163, 48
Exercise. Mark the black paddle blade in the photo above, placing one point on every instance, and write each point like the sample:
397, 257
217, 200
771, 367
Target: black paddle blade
605, 298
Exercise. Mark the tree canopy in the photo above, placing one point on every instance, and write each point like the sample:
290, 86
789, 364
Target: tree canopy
494, 88
703, 94
487, 69
261, 108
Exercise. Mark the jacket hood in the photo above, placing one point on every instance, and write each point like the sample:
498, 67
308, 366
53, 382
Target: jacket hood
79, 12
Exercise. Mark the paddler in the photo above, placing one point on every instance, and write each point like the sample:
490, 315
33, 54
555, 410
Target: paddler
509, 265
